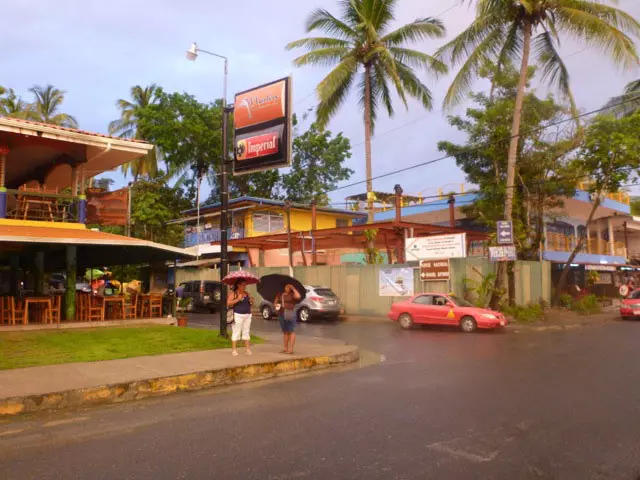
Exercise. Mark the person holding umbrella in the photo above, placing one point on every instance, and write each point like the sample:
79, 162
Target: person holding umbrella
285, 305
240, 302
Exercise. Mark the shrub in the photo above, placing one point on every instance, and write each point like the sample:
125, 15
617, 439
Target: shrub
526, 314
587, 305
566, 300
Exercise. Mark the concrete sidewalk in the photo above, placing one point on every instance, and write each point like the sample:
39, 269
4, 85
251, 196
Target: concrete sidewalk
80, 384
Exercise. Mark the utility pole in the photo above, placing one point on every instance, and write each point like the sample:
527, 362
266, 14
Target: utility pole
224, 200
288, 207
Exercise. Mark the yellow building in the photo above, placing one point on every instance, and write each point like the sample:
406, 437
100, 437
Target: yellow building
252, 217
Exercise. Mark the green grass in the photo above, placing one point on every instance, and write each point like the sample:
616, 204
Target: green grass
29, 349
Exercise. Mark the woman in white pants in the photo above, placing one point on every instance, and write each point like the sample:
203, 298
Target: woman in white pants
241, 303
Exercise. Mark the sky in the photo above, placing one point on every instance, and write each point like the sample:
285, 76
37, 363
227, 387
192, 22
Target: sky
97, 49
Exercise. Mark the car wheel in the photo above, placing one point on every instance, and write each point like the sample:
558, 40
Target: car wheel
217, 296
406, 321
468, 324
267, 314
304, 314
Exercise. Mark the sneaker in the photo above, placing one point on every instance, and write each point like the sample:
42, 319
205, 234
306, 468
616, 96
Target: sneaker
234, 353
249, 352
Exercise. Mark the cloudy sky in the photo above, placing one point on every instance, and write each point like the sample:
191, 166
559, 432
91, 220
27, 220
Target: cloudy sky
97, 49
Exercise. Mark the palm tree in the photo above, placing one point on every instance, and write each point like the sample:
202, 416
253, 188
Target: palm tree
11, 105
504, 31
626, 104
359, 42
46, 105
127, 127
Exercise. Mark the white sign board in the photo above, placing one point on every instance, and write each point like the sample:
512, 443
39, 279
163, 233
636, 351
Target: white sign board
395, 282
433, 248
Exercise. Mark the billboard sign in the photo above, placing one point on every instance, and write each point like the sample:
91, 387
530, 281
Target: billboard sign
262, 126
395, 282
436, 247
434, 270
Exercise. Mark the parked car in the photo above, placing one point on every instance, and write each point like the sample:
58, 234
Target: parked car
58, 281
439, 309
320, 302
630, 307
205, 294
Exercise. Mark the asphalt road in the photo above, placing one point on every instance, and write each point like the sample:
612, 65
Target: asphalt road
426, 403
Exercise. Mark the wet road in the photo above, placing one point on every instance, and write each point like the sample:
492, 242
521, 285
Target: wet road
441, 404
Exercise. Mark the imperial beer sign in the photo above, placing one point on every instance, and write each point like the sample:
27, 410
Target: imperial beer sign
262, 121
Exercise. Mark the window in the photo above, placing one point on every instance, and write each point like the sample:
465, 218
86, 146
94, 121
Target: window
267, 222
186, 287
439, 301
423, 300
342, 222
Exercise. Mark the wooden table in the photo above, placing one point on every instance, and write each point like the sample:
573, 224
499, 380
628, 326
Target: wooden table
46, 301
117, 301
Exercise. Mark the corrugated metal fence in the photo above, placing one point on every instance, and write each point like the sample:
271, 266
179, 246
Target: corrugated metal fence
357, 286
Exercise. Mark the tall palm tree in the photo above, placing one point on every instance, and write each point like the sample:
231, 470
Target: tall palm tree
504, 31
626, 104
46, 106
127, 127
360, 42
11, 105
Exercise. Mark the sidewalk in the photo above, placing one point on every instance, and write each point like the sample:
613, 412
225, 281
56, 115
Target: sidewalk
557, 323
81, 384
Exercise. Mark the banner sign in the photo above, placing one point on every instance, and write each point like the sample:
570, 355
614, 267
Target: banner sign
503, 254
262, 125
395, 282
107, 208
436, 247
434, 270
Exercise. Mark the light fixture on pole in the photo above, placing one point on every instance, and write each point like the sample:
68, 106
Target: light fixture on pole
192, 54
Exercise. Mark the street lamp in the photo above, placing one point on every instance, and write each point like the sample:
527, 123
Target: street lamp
192, 54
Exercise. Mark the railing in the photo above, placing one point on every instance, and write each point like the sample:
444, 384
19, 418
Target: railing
566, 243
207, 236
41, 206
620, 197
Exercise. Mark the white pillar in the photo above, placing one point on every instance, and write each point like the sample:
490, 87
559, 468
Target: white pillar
588, 239
612, 243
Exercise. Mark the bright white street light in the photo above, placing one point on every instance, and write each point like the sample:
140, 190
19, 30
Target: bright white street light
192, 53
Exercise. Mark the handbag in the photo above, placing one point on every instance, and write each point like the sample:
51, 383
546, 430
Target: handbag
230, 318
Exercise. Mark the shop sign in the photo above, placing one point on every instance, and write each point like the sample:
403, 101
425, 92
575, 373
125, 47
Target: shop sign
503, 254
436, 247
434, 270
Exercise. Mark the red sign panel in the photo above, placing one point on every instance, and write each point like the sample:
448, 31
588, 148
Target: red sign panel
258, 146
107, 208
260, 105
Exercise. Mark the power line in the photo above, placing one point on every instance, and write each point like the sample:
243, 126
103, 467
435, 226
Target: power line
477, 147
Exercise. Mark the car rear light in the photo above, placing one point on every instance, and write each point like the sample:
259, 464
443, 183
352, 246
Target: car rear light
202, 288
316, 299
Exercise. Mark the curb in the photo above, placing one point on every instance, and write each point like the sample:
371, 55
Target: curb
155, 387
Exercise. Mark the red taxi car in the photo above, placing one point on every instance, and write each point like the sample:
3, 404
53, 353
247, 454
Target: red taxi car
440, 309
630, 307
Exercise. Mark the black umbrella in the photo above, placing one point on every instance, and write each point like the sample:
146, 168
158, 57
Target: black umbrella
271, 285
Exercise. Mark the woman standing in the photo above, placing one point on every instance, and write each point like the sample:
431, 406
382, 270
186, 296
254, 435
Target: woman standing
285, 305
241, 303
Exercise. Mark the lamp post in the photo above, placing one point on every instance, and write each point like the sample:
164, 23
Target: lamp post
192, 54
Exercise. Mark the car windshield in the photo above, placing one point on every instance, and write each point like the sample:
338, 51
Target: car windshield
325, 292
461, 302
635, 295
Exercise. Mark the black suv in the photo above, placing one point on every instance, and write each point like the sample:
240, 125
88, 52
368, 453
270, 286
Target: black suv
205, 294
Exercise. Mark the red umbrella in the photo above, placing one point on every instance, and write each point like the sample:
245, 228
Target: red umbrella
233, 277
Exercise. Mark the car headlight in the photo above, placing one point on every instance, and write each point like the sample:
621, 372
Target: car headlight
489, 315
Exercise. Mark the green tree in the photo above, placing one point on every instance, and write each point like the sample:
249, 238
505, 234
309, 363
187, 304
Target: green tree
127, 127
11, 105
46, 107
609, 160
317, 166
635, 205
505, 32
360, 40
103, 183
626, 104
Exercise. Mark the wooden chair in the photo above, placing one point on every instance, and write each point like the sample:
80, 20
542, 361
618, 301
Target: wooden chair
82, 314
95, 309
155, 305
10, 310
131, 308
56, 308
42, 206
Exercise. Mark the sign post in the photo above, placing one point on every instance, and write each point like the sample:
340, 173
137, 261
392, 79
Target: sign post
505, 233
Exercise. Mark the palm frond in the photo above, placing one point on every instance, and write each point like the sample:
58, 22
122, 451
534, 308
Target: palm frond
321, 19
416, 31
372, 99
318, 42
512, 47
633, 87
414, 58
554, 71
592, 29
388, 64
626, 104
326, 57
414, 87
467, 42
383, 92
487, 49
333, 89
63, 120
611, 15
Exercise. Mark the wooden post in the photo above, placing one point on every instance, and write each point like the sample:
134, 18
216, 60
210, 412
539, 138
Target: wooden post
452, 211
74, 180
261, 257
626, 239
398, 190
14, 267
39, 273
599, 230
588, 238
70, 287
612, 244
389, 251
4, 151
314, 253
288, 206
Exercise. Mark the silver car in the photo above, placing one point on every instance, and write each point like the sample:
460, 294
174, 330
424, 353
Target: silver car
319, 302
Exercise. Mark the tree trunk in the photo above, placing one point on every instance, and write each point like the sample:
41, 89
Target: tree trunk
367, 140
576, 250
496, 294
515, 126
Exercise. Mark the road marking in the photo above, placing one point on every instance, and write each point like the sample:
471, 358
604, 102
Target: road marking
472, 457
55, 423
13, 432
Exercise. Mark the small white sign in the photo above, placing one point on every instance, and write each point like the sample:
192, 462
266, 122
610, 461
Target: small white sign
433, 248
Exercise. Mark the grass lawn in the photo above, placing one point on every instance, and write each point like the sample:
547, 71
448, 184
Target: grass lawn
29, 349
